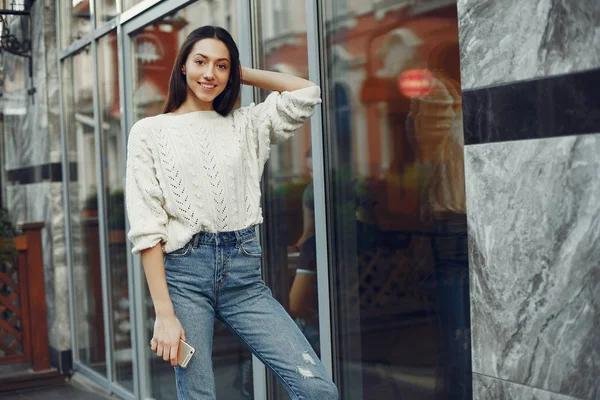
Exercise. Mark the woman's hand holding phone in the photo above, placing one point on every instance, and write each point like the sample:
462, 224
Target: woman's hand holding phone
165, 341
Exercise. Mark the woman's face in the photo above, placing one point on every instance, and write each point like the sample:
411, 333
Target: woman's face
207, 71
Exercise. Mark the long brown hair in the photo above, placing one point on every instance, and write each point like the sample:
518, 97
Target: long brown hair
225, 101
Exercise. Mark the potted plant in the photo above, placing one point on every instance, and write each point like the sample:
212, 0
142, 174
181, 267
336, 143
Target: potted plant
7, 234
90, 206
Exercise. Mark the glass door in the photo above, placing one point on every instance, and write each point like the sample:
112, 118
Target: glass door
288, 233
396, 199
113, 169
80, 123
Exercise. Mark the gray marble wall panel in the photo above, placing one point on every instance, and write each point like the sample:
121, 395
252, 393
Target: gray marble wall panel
486, 388
534, 229
508, 40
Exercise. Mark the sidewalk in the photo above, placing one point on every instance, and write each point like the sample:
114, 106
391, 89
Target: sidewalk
78, 389
66, 391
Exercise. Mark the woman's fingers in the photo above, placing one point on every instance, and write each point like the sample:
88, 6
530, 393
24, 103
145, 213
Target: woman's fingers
166, 353
165, 341
174, 355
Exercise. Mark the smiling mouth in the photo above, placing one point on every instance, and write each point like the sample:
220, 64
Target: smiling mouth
206, 86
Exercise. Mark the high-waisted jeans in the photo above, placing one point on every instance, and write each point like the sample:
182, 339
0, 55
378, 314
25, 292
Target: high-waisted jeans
217, 275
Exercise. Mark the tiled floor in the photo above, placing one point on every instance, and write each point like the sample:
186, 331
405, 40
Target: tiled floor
59, 392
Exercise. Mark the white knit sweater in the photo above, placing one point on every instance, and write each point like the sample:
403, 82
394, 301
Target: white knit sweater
201, 171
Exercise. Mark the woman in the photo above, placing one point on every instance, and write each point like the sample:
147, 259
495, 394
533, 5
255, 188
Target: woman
193, 200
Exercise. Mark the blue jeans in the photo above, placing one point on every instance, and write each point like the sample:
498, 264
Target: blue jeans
217, 275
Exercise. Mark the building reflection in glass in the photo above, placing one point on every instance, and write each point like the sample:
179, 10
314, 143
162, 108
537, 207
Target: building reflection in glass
83, 199
397, 201
288, 231
114, 203
395, 196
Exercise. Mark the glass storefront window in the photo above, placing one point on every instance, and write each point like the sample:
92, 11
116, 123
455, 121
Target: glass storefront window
105, 11
396, 201
127, 4
394, 187
75, 20
154, 50
83, 201
289, 228
113, 164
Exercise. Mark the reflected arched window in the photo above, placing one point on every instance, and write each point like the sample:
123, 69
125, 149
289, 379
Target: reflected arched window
343, 119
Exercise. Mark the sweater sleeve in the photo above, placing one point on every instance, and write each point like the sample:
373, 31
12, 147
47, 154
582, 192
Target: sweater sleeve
143, 195
281, 114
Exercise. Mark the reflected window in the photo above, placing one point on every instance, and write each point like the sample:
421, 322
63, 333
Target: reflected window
75, 20
155, 48
127, 4
105, 11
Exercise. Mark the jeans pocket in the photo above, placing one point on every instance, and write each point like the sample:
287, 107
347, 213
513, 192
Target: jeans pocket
182, 252
251, 248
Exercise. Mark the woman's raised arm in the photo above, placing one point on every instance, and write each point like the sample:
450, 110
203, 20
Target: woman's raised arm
274, 81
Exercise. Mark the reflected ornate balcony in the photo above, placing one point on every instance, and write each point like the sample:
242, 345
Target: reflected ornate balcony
16, 7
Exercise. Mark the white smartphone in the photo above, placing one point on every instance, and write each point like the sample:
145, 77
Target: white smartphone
184, 354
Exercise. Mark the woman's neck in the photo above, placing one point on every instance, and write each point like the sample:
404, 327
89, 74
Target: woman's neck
189, 105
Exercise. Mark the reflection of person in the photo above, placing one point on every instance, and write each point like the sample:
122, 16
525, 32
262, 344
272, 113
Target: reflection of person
193, 200
434, 127
303, 292
308, 207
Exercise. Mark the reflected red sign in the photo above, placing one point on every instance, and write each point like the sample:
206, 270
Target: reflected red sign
415, 82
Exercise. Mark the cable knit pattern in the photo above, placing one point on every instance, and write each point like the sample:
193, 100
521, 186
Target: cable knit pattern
201, 171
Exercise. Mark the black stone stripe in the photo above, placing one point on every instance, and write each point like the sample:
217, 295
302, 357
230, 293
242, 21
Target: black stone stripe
40, 173
548, 107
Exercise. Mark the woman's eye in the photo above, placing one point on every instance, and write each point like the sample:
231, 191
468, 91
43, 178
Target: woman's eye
223, 66
199, 62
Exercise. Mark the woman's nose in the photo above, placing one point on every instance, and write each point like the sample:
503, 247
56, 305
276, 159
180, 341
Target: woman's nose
208, 73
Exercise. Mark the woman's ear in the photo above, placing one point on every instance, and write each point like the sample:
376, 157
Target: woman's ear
183, 70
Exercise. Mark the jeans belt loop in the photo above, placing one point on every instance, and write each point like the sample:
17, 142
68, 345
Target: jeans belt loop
238, 239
